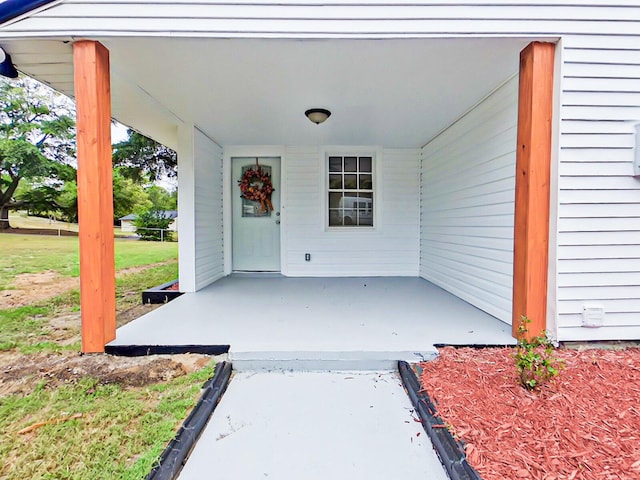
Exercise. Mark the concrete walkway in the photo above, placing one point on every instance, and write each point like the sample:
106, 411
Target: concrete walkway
314, 425
290, 411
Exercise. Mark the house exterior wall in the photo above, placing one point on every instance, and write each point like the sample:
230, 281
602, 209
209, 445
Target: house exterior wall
596, 245
598, 210
467, 204
127, 226
389, 249
201, 244
319, 18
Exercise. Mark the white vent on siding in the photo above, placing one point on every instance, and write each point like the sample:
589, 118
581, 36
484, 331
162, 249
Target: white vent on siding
592, 315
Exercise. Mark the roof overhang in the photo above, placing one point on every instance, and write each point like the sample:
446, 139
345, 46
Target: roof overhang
391, 92
10, 9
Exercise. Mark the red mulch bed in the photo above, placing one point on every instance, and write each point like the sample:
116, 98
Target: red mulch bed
584, 425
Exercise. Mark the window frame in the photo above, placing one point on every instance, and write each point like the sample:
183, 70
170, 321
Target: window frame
359, 152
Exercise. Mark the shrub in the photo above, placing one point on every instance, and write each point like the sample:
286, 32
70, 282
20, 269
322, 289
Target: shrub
535, 359
149, 226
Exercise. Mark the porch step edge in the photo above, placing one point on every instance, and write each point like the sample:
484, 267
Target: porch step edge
325, 361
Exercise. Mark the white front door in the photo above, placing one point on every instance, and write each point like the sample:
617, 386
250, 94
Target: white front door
256, 225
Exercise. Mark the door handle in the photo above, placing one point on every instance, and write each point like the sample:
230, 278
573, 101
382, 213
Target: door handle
277, 222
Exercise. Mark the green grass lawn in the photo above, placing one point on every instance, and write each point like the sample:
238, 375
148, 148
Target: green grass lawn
22, 219
117, 431
37, 253
26, 328
120, 432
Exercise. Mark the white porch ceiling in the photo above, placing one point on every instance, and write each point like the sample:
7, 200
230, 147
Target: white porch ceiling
255, 91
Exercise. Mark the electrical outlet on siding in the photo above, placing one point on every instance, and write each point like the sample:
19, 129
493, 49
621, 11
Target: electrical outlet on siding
592, 315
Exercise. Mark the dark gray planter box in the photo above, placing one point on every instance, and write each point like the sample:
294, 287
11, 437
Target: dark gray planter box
160, 294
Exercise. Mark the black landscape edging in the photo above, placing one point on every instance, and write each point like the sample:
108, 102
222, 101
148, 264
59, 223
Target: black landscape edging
449, 450
160, 294
144, 350
174, 456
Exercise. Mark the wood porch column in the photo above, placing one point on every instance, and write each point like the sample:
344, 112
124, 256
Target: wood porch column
95, 194
533, 167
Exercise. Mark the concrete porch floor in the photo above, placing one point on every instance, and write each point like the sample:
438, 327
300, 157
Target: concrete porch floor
271, 321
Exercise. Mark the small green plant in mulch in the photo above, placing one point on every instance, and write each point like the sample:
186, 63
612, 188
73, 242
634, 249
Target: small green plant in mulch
535, 359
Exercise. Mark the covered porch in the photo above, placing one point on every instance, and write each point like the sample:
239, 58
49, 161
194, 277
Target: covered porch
452, 203
272, 321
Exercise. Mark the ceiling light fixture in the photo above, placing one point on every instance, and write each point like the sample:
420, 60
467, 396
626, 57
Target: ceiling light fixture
317, 115
6, 65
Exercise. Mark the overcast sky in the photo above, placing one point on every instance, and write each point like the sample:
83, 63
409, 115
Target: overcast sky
118, 132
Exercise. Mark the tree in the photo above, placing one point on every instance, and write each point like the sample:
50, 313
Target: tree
44, 196
59, 199
36, 137
18, 158
161, 199
40, 201
140, 158
67, 201
128, 196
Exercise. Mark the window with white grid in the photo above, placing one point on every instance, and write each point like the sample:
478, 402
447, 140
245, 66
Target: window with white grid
350, 191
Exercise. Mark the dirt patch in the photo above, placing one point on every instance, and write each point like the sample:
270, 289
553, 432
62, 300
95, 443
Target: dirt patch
134, 312
30, 288
129, 270
64, 329
23, 373
584, 425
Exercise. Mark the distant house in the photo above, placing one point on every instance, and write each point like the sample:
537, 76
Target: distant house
126, 222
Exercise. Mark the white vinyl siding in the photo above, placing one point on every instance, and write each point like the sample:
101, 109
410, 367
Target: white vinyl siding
598, 239
292, 18
468, 188
208, 211
201, 245
390, 248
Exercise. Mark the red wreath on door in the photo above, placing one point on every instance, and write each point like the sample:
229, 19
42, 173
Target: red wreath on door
256, 186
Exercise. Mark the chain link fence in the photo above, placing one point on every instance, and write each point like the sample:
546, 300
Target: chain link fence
165, 234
